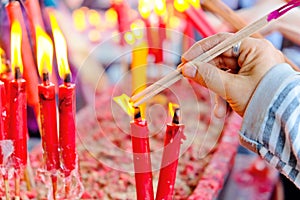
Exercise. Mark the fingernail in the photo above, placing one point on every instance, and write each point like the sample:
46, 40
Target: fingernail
189, 70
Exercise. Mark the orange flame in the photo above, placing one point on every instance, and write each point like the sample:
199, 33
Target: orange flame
123, 102
44, 51
60, 47
172, 107
181, 5
16, 39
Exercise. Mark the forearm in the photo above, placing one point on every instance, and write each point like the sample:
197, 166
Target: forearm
271, 122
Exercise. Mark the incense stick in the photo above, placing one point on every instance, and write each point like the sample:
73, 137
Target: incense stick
174, 76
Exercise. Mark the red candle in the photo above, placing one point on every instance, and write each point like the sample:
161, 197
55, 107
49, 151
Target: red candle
14, 12
3, 134
17, 102
49, 134
167, 175
67, 137
141, 157
67, 104
47, 102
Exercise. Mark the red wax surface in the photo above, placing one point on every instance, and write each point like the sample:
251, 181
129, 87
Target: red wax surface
67, 128
18, 121
49, 134
141, 159
167, 174
2, 117
14, 12
197, 17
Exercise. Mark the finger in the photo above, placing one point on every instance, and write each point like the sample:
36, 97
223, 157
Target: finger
203, 46
208, 76
220, 108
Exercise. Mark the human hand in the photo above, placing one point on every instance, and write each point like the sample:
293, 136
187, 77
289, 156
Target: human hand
243, 73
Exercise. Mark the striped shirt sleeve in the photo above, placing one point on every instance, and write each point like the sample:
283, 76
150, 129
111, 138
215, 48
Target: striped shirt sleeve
271, 124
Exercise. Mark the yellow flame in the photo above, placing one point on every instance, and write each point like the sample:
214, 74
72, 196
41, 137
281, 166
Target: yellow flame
111, 16
79, 19
16, 39
94, 17
181, 5
160, 7
145, 8
123, 102
195, 3
172, 107
44, 51
60, 48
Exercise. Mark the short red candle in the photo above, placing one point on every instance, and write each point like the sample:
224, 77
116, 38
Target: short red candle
49, 134
3, 134
18, 120
199, 21
141, 158
14, 12
167, 175
67, 127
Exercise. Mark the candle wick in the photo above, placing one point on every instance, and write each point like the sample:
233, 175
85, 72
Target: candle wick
137, 113
175, 119
18, 74
68, 78
45, 77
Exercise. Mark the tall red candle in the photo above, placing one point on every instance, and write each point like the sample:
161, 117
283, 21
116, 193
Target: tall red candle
122, 8
17, 101
49, 134
47, 101
14, 12
67, 128
167, 175
141, 157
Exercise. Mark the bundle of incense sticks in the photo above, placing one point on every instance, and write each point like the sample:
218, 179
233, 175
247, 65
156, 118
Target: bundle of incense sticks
176, 75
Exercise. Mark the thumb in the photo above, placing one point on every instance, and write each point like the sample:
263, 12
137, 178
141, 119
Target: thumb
208, 76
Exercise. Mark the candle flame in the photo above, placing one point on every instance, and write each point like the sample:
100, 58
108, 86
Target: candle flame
160, 7
60, 47
125, 104
16, 39
172, 107
181, 5
111, 16
145, 8
44, 51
